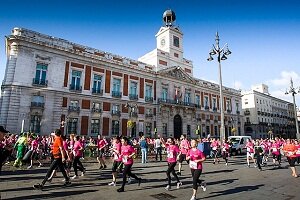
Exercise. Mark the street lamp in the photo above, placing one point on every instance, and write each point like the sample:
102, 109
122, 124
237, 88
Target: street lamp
292, 91
132, 107
221, 54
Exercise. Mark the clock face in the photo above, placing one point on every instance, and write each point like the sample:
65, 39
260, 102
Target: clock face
162, 42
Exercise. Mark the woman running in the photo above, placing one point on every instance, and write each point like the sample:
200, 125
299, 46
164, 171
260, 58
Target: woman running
35, 147
196, 158
250, 152
225, 151
78, 149
276, 153
101, 143
298, 151
215, 147
117, 160
290, 151
173, 153
127, 153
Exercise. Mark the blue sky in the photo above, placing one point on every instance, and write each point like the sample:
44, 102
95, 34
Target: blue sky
264, 35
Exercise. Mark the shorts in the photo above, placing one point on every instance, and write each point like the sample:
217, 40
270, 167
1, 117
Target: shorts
182, 157
214, 153
250, 155
101, 153
292, 161
117, 166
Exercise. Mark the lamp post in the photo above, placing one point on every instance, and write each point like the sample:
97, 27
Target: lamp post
292, 91
221, 54
132, 107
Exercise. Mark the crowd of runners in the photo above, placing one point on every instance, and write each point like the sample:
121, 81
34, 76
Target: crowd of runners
66, 154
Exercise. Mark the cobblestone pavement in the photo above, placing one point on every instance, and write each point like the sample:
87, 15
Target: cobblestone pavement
235, 181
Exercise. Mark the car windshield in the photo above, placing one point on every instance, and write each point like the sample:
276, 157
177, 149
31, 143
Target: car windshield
235, 140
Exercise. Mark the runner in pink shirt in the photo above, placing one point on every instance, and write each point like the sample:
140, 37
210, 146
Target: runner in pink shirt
77, 151
215, 149
196, 158
184, 148
298, 151
250, 152
117, 164
127, 153
173, 153
34, 147
101, 143
225, 151
275, 148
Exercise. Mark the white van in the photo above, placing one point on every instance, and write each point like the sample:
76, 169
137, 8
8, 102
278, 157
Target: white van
238, 144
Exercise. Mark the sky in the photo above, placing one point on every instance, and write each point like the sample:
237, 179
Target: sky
263, 35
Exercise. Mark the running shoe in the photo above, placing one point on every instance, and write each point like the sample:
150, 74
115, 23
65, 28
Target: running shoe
179, 173
68, 183
120, 189
112, 184
101, 167
203, 186
29, 167
179, 184
193, 198
104, 167
38, 187
139, 181
83, 173
74, 177
129, 180
226, 164
40, 165
168, 188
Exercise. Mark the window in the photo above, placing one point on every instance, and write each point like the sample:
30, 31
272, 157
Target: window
165, 129
248, 120
149, 91
35, 124
72, 125
95, 127
164, 93
74, 103
207, 130
97, 83
216, 130
37, 101
188, 130
148, 129
206, 102
40, 74
116, 85
197, 100
187, 97
214, 103
176, 41
237, 106
228, 104
115, 127
133, 88
115, 107
96, 107
75, 81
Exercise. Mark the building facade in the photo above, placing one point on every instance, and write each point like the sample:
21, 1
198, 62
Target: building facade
266, 116
50, 82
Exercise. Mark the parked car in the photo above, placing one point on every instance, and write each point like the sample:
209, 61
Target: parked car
238, 144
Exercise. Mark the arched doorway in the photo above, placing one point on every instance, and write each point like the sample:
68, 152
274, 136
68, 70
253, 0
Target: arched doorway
177, 126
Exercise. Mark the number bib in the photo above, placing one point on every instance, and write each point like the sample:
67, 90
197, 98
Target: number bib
214, 148
298, 152
170, 154
193, 165
124, 159
116, 157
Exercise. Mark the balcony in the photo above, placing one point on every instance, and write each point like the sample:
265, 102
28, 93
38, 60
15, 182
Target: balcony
97, 91
40, 82
149, 99
133, 97
74, 109
75, 88
134, 114
149, 115
247, 123
96, 110
197, 106
37, 105
247, 112
175, 102
258, 112
215, 109
116, 113
206, 107
229, 111
116, 94
216, 121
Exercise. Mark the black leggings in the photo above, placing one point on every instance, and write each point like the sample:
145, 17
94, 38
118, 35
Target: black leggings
77, 165
127, 171
196, 175
57, 162
171, 169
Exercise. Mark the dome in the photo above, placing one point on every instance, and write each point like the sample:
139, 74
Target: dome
169, 16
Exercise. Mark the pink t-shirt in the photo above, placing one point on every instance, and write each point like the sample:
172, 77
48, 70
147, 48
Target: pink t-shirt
101, 144
195, 154
225, 147
65, 145
275, 148
172, 152
77, 147
298, 151
250, 148
125, 152
34, 145
214, 145
184, 146
117, 156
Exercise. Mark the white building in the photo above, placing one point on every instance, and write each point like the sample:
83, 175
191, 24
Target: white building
265, 115
51, 82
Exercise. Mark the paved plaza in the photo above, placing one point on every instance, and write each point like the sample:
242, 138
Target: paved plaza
235, 181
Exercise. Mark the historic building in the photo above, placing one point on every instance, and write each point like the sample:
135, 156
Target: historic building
50, 82
267, 116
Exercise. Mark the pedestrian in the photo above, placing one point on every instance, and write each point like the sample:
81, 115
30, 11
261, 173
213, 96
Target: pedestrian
258, 154
78, 153
196, 158
4, 150
117, 164
276, 152
36, 151
215, 149
158, 148
173, 153
101, 143
59, 158
184, 148
250, 152
144, 149
21, 148
225, 151
290, 151
127, 153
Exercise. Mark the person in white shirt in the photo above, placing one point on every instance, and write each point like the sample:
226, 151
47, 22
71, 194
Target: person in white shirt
158, 148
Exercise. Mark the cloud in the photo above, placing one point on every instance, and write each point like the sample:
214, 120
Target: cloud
238, 85
284, 79
280, 94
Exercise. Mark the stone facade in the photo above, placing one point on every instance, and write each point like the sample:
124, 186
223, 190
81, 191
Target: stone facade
50, 83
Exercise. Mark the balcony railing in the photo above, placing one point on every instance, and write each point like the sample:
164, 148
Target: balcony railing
116, 94
206, 107
37, 105
215, 109
39, 82
248, 123
74, 109
133, 97
229, 111
97, 91
176, 102
96, 110
247, 112
197, 106
134, 114
149, 99
149, 115
76, 88
116, 113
